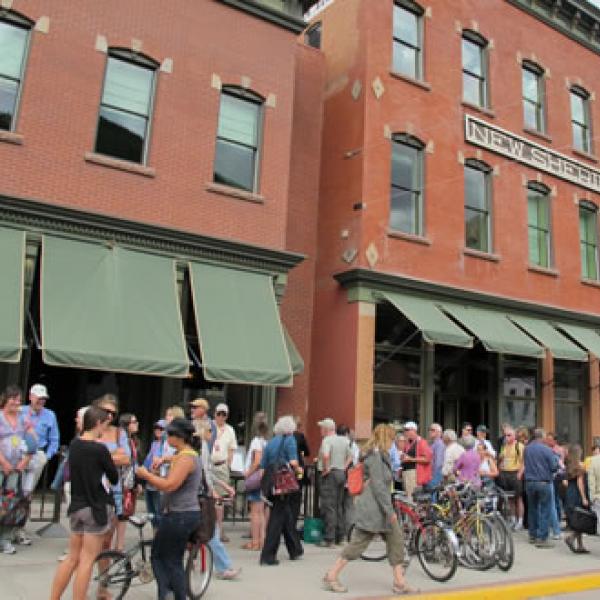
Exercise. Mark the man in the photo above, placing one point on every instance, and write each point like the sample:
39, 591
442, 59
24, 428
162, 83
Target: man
222, 454
510, 464
452, 453
396, 452
482, 432
334, 458
540, 465
555, 514
416, 460
466, 432
437, 450
202, 422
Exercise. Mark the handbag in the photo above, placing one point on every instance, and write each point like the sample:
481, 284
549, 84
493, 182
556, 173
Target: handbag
129, 500
208, 515
583, 520
14, 505
279, 478
253, 481
356, 479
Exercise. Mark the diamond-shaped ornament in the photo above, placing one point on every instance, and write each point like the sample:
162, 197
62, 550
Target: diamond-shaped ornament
372, 255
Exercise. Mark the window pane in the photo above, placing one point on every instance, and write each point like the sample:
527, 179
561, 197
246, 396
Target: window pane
577, 108
313, 36
12, 49
404, 211
397, 369
472, 89
534, 246
128, 86
532, 209
476, 230
589, 268
121, 135
406, 26
238, 120
8, 99
538, 210
530, 85
471, 57
405, 172
587, 225
234, 165
405, 60
531, 115
475, 189
395, 407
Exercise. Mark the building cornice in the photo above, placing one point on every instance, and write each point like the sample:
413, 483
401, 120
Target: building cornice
42, 218
363, 284
262, 11
577, 19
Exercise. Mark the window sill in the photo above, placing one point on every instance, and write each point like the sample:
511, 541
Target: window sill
226, 190
408, 237
121, 165
582, 154
591, 282
538, 134
543, 270
479, 254
10, 137
416, 82
488, 112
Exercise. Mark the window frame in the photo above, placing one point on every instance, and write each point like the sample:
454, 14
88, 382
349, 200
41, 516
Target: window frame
419, 12
478, 40
143, 61
19, 20
318, 26
540, 104
248, 96
483, 167
543, 190
585, 96
591, 209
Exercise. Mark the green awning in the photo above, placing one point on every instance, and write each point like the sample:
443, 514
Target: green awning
240, 332
494, 330
435, 326
549, 337
12, 265
110, 308
295, 358
584, 336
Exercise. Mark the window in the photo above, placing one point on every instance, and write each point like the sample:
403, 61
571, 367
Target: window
126, 106
588, 238
407, 56
477, 206
14, 35
538, 221
533, 96
238, 136
580, 119
312, 37
474, 68
406, 211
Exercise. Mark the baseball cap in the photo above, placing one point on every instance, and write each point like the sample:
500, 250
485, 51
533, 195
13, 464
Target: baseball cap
328, 423
160, 423
482, 428
39, 390
410, 425
222, 408
200, 402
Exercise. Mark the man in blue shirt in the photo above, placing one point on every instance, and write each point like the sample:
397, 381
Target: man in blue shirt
540, 465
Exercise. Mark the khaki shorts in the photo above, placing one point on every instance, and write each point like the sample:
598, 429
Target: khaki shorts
221, 475
394, 543
82, 521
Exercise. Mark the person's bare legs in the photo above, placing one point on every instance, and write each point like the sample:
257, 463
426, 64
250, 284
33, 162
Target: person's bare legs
120, 535
65, 570
262, 523
399, 580
334, 572
255, 524
92, 545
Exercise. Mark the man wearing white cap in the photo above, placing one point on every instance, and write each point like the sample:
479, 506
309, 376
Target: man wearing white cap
416, 460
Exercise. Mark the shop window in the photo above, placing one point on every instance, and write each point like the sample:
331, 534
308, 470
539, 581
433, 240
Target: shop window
312, 37
539, 225
406, 210
126, 106
407, 54
569, 396
580, 120
588, 240
14, 37
474, 69
520, 393
533, 96
477, 206
238, 138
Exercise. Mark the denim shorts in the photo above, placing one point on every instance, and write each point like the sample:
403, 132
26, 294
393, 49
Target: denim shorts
82, 521
254, 496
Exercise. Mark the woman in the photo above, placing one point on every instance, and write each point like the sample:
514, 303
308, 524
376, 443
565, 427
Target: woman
281, 448
91, 510
115, 440
488, 469
468, 463
181, 514
257, 505
151, 494
576, 494
374, 514
131, 489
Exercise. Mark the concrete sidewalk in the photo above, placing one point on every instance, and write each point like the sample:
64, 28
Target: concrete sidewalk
28, 574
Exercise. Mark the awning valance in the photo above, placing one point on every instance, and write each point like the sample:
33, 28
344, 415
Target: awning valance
295, 357
110, 308
240, 332
12, 265
586, 337
435, 326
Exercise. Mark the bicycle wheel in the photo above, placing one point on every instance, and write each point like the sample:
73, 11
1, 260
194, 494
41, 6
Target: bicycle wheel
113, 575
376, 551
436, 550
505, 555
198, 570
480, 543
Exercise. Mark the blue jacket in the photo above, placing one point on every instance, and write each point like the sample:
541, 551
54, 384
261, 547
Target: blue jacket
540, 462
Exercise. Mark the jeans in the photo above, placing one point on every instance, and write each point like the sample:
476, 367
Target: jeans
554, 522
221, 559
153, 505
538, 500
167, 552
332, 505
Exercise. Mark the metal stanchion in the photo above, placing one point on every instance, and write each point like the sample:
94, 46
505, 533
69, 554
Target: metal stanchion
53, 529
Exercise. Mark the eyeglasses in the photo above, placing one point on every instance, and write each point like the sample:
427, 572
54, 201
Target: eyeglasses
110, 411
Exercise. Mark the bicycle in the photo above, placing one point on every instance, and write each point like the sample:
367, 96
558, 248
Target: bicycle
116, 570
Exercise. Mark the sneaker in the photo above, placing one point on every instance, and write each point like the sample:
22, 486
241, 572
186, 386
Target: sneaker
229, 574
21, 538
543, 544
7, 548
557, 536
518, 526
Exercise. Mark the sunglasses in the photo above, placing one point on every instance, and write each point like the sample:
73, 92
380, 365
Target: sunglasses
109, 411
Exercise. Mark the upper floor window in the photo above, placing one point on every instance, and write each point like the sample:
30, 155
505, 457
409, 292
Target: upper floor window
580, 119
126, 106
14, 36
312, 37
406, 209
474, 69
238, 139
407, 56
478, 231
588, 239
533, 96
539, 225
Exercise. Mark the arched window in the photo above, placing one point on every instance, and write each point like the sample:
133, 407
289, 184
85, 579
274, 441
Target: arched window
406, 197
14, 39
475, 69
539, 225
126, 105
407, 55
534, 97
478, 201
588, 239
238, 138
580, 119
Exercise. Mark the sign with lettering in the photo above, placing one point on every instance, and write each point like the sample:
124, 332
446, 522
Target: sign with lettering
508, 144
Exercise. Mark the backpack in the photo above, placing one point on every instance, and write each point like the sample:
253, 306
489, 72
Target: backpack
14, 505
356, 479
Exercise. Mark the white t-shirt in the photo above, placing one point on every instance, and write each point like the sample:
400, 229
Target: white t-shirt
258, 444
225, 441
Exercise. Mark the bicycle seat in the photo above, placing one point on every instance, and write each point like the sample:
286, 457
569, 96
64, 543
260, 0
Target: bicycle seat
139, 520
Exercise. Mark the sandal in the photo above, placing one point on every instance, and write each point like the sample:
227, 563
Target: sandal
251, 546
581, 551
403, 589
333, 585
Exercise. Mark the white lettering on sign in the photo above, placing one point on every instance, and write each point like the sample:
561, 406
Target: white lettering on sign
483, 134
